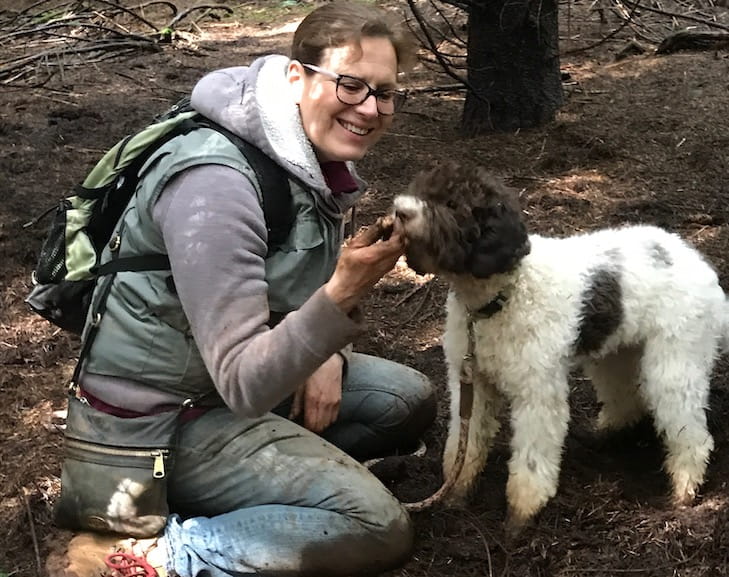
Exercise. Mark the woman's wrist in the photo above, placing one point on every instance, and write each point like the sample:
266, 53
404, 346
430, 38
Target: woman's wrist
340, 295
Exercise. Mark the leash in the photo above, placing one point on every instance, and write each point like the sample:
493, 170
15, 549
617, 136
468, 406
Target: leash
128, 565
465, 409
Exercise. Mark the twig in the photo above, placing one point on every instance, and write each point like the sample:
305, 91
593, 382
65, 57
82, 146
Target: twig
416, 136
485, 546
408, 295
416, 312
130, 12
458, 40
59, 100
184, 13
609, 36
611, 571
31, 524
81, 150
430, 89
170, 5
434, 49
622, 12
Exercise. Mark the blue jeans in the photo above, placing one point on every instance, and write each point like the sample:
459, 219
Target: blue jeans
265, 496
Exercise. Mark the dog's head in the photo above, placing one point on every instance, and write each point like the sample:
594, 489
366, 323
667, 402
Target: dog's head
460, 219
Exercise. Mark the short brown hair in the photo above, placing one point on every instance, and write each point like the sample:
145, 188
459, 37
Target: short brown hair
344, 22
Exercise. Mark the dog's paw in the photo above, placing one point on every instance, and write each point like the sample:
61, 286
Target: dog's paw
515, 524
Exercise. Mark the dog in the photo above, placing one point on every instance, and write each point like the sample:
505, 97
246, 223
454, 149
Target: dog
637, 308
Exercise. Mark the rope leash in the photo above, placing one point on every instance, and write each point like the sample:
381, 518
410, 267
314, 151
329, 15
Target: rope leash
128, 565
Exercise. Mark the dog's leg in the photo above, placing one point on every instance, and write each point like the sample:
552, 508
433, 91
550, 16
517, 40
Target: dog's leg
484, 425
675, 387
539, 420
615, 379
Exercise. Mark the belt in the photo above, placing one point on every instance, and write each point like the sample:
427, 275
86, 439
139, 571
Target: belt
187, 413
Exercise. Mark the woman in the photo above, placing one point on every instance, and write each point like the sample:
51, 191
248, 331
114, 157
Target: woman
254, 488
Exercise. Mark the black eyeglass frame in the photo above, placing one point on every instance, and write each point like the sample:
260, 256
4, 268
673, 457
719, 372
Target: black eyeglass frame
398, 97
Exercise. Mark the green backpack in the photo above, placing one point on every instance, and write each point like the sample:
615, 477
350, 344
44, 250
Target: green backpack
68, 265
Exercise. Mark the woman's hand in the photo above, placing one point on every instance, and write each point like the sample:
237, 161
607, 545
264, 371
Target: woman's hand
320, 396
364, 260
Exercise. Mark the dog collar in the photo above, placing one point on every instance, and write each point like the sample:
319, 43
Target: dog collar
491, 308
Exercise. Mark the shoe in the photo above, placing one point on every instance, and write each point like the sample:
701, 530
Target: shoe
94, 555
419, 451
395, 468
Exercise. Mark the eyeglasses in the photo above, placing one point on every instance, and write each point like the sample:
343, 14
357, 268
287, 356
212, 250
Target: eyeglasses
354, 91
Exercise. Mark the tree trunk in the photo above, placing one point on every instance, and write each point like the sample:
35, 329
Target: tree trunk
513, 65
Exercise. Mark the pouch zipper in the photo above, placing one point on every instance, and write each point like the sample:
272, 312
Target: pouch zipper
159, 455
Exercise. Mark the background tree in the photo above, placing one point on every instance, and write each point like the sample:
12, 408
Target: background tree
511, 56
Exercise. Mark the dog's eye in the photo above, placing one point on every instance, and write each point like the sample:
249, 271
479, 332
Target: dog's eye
452, 204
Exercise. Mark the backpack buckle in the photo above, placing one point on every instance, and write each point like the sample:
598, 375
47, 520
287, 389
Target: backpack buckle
115, 243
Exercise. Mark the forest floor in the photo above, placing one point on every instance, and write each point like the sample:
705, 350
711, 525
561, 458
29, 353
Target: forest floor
641, 140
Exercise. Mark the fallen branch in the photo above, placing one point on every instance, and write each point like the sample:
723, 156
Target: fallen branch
704, 21
130, 13
49, 30
18, 63
693, 40
170, 5
26, 10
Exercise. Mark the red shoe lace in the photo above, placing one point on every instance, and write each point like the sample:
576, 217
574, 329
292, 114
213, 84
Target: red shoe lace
128, 565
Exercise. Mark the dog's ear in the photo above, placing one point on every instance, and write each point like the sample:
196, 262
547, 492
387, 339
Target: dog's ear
448, 256
455, 260
446, 249
502, 242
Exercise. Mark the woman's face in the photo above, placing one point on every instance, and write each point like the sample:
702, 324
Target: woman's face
337, 131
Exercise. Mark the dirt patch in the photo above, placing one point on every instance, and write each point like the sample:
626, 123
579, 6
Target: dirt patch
640, 140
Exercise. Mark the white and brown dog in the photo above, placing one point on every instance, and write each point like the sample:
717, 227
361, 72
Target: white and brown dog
636, 307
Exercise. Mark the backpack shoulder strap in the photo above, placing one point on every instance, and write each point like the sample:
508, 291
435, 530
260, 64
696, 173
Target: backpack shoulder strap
278, 208
273, 180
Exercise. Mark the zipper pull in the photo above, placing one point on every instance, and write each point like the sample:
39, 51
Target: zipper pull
158, 470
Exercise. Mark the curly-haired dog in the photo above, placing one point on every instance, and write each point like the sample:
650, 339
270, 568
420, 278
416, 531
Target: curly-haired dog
637, 308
